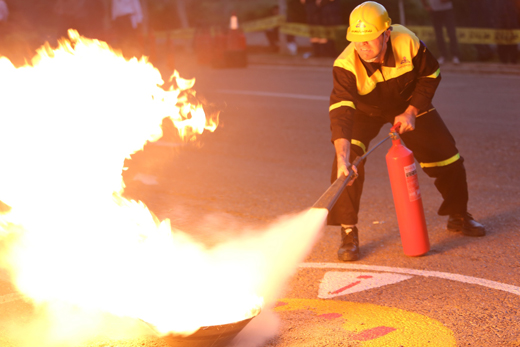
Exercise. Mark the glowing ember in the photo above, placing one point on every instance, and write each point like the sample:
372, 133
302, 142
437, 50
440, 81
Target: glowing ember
79, 250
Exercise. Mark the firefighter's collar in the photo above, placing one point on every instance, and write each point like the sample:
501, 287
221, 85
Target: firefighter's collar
388, 61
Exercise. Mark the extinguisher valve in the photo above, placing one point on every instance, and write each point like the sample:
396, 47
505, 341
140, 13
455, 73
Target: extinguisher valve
394, 131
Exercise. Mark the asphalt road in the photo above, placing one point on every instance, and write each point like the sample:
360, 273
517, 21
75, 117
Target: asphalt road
271, 156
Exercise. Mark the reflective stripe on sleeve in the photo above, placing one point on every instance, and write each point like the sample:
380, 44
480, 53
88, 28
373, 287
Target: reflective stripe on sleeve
359, 144
435, 74
342, 103
442, 163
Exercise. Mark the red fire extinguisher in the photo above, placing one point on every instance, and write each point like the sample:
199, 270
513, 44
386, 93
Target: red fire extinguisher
407, 197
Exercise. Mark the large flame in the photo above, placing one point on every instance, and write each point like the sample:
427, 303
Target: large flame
68, 122
72, 243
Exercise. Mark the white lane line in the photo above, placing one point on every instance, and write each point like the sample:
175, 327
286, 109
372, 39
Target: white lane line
276, 95
444, 275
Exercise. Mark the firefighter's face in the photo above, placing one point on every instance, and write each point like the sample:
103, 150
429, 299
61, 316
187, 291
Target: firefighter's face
373, 51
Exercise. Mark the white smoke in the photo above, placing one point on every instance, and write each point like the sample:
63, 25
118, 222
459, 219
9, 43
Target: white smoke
67, 243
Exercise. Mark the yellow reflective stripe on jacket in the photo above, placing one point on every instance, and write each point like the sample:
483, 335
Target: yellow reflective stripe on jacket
342, 103
442, 163
359, 144
435, 74
405, 47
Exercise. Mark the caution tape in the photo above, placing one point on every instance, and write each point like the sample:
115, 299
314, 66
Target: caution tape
263, 24
464, 35
184, 33
326, 32
473, 35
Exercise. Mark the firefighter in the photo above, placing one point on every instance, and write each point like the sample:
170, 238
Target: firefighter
387, 75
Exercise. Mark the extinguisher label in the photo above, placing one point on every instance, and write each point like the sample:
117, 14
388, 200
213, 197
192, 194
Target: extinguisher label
412, 182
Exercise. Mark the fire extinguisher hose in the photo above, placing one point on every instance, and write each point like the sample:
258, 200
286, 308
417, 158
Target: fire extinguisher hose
331, 195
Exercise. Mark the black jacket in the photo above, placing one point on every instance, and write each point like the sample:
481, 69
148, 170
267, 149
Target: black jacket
409, 75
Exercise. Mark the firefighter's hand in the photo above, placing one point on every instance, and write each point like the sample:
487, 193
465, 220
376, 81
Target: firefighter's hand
407, 119
343, 169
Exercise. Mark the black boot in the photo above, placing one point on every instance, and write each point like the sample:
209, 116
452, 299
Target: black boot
349, 249
464, 222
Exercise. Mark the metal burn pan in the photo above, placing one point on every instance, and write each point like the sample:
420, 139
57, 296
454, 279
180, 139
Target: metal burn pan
211, 336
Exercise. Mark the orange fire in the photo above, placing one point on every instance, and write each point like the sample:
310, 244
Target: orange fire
68, 122
73, 245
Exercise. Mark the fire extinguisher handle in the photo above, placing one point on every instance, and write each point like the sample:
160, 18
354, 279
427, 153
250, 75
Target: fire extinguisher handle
395, 128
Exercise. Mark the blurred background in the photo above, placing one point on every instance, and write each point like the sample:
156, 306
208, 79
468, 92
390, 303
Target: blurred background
26, 24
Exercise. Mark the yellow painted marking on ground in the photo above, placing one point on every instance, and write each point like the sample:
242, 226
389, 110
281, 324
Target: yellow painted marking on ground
411, 329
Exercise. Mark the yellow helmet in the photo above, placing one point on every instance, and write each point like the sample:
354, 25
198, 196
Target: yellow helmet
367, 22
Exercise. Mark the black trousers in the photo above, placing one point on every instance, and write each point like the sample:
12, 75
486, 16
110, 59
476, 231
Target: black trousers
446, 19
433, 147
